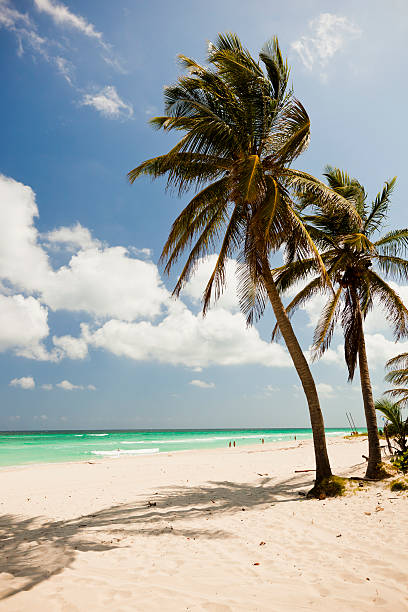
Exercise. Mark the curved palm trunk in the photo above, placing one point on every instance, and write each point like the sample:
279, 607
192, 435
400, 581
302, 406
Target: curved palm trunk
374, 451
323, 469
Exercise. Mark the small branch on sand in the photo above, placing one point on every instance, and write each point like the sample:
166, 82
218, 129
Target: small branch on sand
297, 471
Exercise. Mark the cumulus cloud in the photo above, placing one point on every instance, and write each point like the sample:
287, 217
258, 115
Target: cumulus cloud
73, 348
328, 34
325, 390
182, 338
25, 382
46, 387
75, 237
128, 310
202, 384
69, 386
23, 326
194, 289
108, 103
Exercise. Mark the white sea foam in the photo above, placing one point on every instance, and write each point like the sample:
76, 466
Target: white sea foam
98, 434
119, 452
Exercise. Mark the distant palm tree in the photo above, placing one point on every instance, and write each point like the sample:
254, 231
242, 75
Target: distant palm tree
398, 375
348, 251
396, 426
241, 129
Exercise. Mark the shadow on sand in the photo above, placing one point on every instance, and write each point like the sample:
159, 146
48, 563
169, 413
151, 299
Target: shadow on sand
32, 550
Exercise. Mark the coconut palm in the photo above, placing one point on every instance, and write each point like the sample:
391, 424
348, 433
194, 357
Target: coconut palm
398, 375
349, 249
397, 426
242, 128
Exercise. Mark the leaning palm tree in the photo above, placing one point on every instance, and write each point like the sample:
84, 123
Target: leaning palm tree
349, 249
398, 375
242, 128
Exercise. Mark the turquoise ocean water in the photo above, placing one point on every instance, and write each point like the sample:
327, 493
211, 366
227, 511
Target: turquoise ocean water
20, 448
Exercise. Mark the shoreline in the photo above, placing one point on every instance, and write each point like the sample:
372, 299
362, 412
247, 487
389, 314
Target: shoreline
96, 457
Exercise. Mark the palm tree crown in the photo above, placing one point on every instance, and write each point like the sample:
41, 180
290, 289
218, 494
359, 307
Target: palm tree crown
242, 128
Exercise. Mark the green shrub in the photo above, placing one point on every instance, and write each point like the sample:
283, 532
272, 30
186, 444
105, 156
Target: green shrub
328, 487
400, 461
399, 485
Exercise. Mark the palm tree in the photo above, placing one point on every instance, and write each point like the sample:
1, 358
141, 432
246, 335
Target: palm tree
242, 128
349, 251
396, 426
398, 375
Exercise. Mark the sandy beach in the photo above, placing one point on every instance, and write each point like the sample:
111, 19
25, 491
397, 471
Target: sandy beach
214, 530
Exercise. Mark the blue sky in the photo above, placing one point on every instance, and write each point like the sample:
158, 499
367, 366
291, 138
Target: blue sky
89, 336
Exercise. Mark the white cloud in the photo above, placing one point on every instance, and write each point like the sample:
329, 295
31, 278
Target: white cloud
23, 326
9, 16
106, 282
202, 384
329, 34
41, 417
46, 387
69, 386
25, 382
325, 390
62, 16
194, 289
73, 348
182, 338
75, 237
108, 102
270, 389
131, 311
65, 68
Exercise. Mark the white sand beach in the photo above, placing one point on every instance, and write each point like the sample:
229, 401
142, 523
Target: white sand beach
212, 530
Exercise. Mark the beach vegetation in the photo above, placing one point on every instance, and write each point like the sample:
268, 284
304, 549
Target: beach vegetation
334, 486
396, 427
357, 260
242, 128
399, 485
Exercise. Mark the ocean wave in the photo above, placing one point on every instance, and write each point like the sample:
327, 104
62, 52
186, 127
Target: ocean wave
119, 452
99, 435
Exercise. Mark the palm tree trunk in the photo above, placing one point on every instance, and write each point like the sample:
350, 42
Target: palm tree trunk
374, 451
323, 469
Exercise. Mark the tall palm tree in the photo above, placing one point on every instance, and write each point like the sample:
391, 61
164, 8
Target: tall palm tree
398, 375
242, 128
349, 250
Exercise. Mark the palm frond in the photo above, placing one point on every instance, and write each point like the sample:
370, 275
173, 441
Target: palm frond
395, 311
328, 199
397, 377
398, 360
310, 290
325, 327
292, 134
379, 208
394, 243
394, 267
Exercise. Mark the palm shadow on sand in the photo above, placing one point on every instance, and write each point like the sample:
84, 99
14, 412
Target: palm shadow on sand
33, 550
